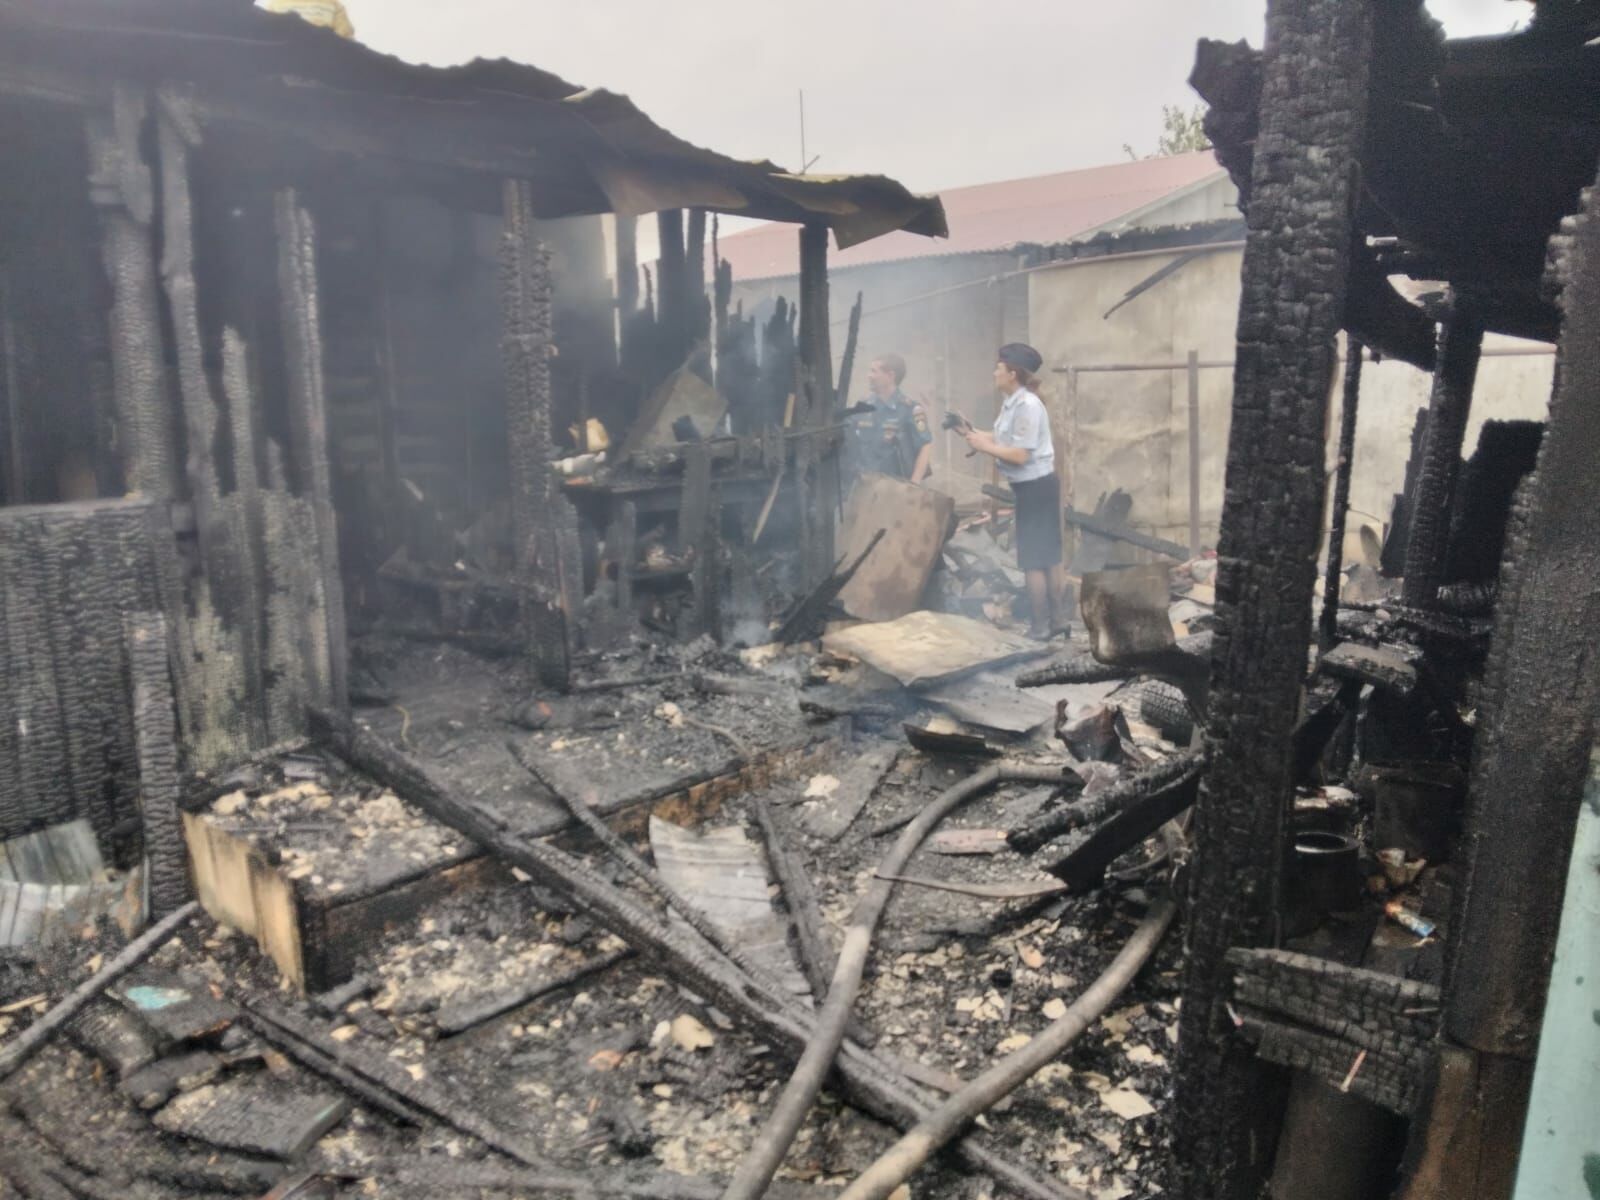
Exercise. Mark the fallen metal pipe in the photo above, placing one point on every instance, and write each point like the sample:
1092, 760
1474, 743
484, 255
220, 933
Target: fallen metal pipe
761, 1163
921, 1143
75, 1001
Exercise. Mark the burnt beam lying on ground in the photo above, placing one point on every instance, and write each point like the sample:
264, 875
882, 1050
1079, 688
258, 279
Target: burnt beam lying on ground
1303, 196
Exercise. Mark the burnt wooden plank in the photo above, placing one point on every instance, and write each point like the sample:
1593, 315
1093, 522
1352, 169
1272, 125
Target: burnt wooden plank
1300, 217
254, 1114
829, 817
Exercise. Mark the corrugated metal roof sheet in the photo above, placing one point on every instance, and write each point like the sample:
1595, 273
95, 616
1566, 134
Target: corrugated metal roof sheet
585, 150
1042, 210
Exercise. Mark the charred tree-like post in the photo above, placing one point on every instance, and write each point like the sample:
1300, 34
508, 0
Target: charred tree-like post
308, 416
847, 363
1327, 631
122, 190
176, 132
816, 403
1296, 265
547, 605
1530, 764
1460, 344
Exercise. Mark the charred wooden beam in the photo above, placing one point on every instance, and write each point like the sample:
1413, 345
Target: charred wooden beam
382, 1076
699, 519
1328, 626
1460, 344
1303, 194
308, 428
1365, 1032
1076, 666
696, 306
841, 396
1372, 1075
1084, 866
175, 134
809, 615
818, 482
19, 1048
1536, 731
1167, 781
248, 535
817, 959
123, 191
627, 266
870, 1080
156, 735
550, 598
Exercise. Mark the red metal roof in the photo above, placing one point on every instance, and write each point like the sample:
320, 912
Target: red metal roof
992, 216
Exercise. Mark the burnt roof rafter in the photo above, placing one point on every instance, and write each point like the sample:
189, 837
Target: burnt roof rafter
1476, 149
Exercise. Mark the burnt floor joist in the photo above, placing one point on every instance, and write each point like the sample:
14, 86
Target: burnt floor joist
1313, 102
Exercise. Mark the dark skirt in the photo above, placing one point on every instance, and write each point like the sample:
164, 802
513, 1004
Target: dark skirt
1038, 522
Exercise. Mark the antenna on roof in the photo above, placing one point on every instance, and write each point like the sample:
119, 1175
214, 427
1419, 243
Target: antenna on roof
805, 163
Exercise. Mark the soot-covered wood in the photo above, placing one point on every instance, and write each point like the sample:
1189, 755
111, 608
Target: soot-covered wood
1460, 342
1303, 195
1537, 718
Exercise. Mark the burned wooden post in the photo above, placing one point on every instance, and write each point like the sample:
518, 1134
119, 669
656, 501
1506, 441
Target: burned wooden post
249, 534
308, 419
627, 265
549, 604
156, 740
1460, 344
1296, 263
847, 363
176, 132
122, 190
1326, 635
819, 501
1535, 734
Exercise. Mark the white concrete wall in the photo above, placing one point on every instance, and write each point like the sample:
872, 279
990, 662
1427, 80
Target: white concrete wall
1131, 428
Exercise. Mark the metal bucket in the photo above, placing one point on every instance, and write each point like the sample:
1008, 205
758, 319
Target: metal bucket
1323, 878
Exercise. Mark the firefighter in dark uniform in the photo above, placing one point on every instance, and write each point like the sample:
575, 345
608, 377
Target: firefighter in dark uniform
893, 439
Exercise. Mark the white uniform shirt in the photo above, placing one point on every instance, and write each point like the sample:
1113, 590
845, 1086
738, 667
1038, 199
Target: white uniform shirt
1023, 422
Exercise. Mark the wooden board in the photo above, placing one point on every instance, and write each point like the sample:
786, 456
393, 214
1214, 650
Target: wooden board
254, 1114
236, 886
891, 581
923, 649
829, 816
721, 873
992, 700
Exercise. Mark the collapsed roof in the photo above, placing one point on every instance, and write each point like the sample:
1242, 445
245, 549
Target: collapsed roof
1476, 149
269, 78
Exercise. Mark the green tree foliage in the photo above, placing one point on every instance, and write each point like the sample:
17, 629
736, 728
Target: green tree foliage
1182, 130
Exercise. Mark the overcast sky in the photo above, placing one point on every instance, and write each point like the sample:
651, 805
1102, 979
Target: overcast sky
936, 95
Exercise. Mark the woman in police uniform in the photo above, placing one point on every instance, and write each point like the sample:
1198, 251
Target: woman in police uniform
1021, 445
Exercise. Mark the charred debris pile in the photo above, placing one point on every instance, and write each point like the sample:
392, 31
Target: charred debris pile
463, 736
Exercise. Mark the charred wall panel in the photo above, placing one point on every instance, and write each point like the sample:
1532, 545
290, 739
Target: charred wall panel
73, 575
